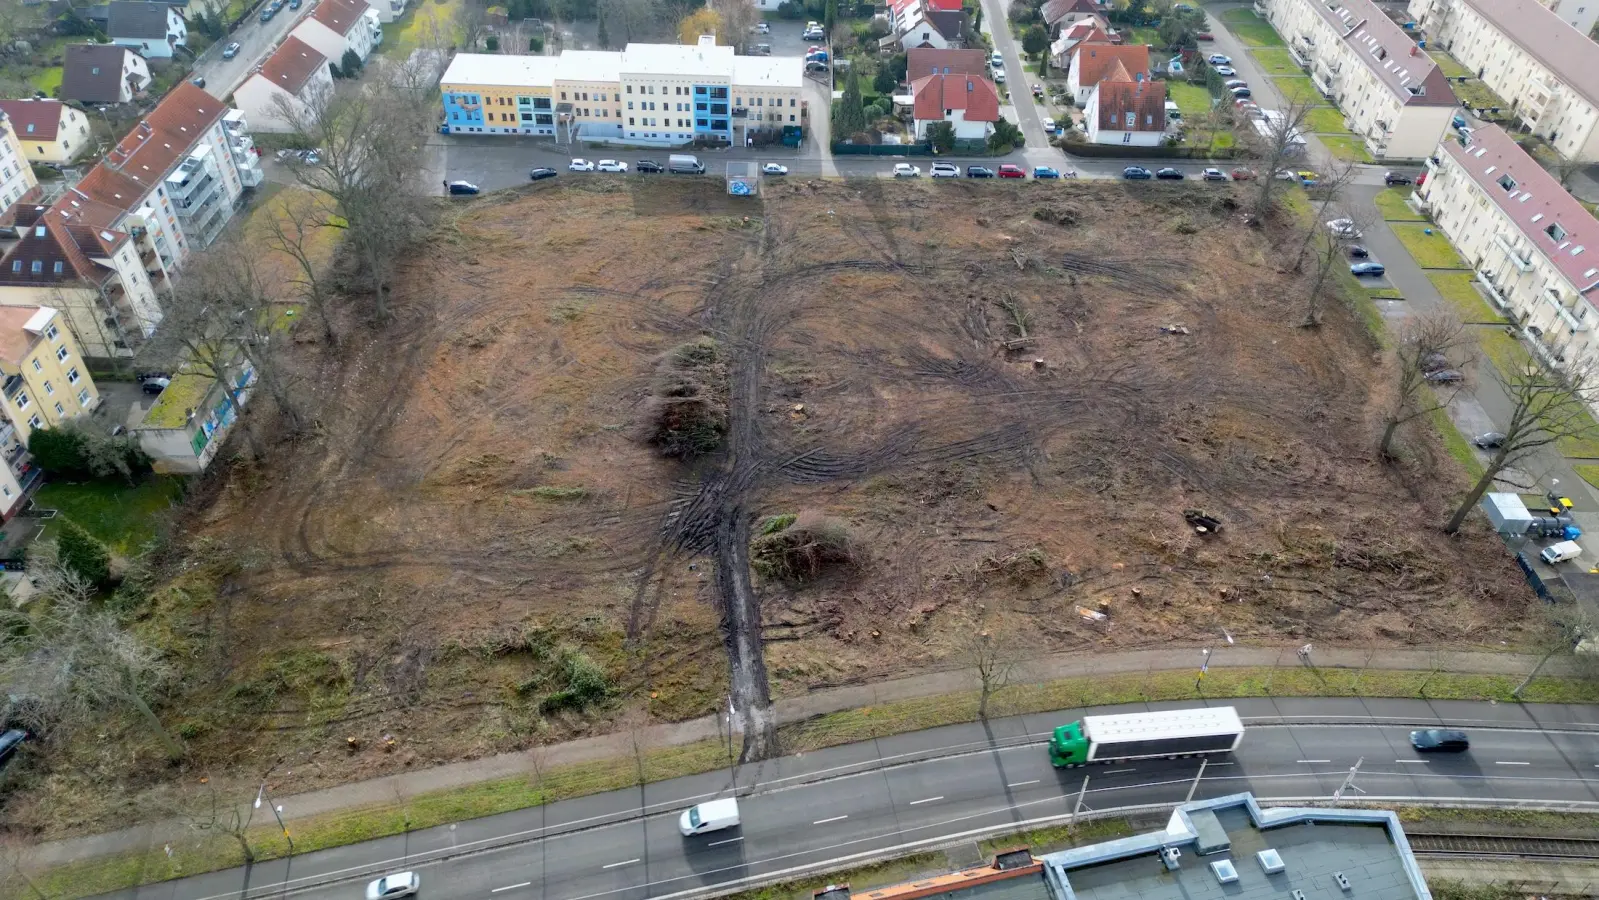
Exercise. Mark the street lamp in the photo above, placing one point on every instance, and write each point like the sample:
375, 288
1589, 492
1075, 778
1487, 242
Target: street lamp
277, 813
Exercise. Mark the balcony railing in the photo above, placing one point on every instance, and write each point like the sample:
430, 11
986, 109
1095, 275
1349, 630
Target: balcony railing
1523, 265
12, 385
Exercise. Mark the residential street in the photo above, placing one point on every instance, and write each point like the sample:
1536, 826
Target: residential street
256, 42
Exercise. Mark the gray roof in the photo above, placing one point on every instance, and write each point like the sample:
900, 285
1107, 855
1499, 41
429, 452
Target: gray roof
80, 81
1551, 40
137, 19
948, 22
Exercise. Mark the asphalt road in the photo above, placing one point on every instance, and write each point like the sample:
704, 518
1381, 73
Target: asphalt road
256, 42
862, 799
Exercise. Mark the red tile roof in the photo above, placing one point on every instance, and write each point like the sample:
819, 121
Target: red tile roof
154, 146
293, 64
1055, 10
1093, 60
1144, 100
112, 188
936, 93
927, 61
339, 15
42, 116
15, 340
1536, 202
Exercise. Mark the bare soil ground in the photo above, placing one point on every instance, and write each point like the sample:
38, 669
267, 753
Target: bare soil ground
478, 518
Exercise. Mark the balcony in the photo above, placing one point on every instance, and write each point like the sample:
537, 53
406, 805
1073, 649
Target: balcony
1555, 302
12, 386
1523, 264
7, 433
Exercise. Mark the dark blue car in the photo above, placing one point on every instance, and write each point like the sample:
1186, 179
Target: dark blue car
1137, 173
1367, 268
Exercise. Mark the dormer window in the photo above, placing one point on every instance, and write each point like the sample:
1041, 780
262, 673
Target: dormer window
1506, 182
1555, 232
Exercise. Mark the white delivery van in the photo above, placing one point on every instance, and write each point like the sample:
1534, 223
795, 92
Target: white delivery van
712, 815
683, 164
1558, 553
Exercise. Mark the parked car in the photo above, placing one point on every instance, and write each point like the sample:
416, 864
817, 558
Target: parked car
1358, 252
999, 76
1306, 177
1213, 175
400, 884
944, 170
1243, 174
1235, 83
1242, 93
979, 172
1226, 71
763, 28
541, 173
1445, 376
814, 34
1045, 172
1439, 740
154, 384
906, 170
267, 13
294, 4
1137, 173
1219, 59
996, 59
1367, 268
815, 66
1038, 91
198, 81
1397, 178
1344, 228
1012, 171
580, 165
774, 169
611, 165
9, 742
462, 187
1169, 174
648, 167
1489, 440
1204, 36
231, 50
1049, 125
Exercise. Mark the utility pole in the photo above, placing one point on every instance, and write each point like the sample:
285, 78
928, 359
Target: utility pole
277, 813
1195, 786
1203, 668
1349, 782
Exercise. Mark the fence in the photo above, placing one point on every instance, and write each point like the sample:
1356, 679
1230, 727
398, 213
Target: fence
1125, 151
843, 149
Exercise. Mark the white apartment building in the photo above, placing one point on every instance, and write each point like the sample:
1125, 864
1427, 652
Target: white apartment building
663, 94
1534, 245
1546, 69
294, 81
1391, 93
339, 25
16, 176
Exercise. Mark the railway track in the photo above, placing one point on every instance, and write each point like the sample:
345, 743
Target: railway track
1493, 846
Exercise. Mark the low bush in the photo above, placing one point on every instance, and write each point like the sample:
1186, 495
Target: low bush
688, 408
802, 548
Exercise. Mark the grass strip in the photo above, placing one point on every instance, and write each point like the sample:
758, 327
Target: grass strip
1455, 443
1391, 203
1251, 29
1456, 288
1346, 147
1430, 251
210, 853
1276, 61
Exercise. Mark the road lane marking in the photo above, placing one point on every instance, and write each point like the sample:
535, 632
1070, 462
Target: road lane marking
825, 821
625, 862
728, 841
1022, 783
1498, 763
1421, 762
928, 800
511, 887
1313, 760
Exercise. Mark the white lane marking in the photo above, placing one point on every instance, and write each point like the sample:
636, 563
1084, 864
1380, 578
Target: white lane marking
1313, 760
625, 862
1421, 762
1035, 781
928, 800
511, 887
728, 841
1499, 763
825, 821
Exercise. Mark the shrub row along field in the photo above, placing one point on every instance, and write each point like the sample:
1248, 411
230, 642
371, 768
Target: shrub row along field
942, 398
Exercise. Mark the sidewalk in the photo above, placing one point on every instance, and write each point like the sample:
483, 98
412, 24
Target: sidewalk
381, 791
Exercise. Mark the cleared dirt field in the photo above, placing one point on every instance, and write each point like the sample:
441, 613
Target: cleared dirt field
479, 527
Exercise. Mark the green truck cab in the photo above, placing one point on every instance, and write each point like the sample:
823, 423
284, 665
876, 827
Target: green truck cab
1068, 746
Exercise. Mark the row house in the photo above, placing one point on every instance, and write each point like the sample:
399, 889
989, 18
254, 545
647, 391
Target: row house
152, 30
968, 102
901, 13
50, 131
17, 180
926, 25
655, 94
339, 26
1391, 93
43, 382
102, 73
282, 95
1127, 108
1532, 56
1092, 61
1535, 248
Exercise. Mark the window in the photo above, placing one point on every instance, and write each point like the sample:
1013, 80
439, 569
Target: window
6, 490
35, 422
49, 389
36, 267
62, 354
52, 332
83, 397
630, 120
541, 103
563, 95
72, 375
1555, 232
630, 104
60, 410
38, 366
22, 401
1506, 182
16, 265
630, 89
96, 69
791, 103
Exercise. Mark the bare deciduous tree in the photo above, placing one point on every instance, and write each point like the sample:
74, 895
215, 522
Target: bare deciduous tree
1276, 144
293, 233
471, 24
1568, 627
738, 20
990, 651
1329, 248
206, 812
1328, 192
1545, 406
1426, 343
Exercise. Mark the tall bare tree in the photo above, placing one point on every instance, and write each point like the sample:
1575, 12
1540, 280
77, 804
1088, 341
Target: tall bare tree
1329, 248
300, 223
1545, 406
1568, 626
206, 812
738, 20
1426, 343
1326, 197
989, 649
1276, 144
471, 24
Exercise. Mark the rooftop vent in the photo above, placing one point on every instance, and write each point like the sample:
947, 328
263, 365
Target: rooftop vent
1225, 873
1297, 894
1271, 862
1169, 857
1343, 883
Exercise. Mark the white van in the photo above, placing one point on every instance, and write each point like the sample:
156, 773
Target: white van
684, 164
1559, 553
712, 815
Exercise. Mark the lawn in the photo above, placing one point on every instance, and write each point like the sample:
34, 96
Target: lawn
1385, 293
1391, 203
1456, 288
1430, 251
1251, 29
1346, 147
1456, 443
1276, 61
1145, 35
420, 24
1588, 473
47, 81
1503, 349
1478, 95
1584, 446
1450, 66
1299, 89
122, 516
1192, 99
1325, 120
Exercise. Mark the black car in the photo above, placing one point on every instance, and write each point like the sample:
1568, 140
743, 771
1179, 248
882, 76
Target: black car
1137, 173
1445, 376
1397, 178
979, 172
9, 742
542, 172
1358, 252
1439, 740
648, 166
1491, 440
1169, 174
463, 187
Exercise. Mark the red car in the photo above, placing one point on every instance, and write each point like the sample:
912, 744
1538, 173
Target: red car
1010, 171
1243, 174
1205, 36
